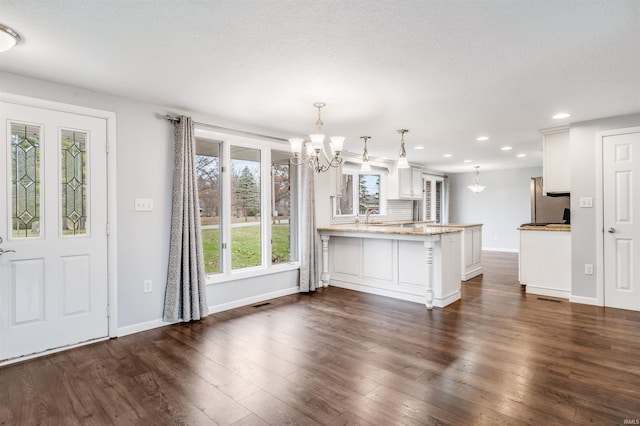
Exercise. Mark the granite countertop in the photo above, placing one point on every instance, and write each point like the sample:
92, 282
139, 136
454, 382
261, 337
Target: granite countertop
457, 225
550, 227
415, 229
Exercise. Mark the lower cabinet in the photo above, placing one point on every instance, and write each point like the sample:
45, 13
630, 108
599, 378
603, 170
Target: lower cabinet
545, 262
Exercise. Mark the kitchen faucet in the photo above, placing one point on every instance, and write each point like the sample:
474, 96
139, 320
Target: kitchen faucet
368, 212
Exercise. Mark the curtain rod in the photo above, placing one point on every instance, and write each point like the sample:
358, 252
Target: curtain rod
227, 129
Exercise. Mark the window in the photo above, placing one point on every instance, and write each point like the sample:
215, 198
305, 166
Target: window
283, 203
248, 206
433, 198
368, 195
208, 174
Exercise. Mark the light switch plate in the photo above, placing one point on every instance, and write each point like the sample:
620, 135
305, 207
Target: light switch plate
586, 202
143, 205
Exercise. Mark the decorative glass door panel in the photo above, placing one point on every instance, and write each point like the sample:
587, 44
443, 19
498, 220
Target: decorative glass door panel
74, 176
25, 180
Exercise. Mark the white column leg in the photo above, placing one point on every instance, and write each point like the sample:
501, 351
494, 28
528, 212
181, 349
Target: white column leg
428, 247
325, 260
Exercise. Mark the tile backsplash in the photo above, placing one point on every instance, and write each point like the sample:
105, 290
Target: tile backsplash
397, 211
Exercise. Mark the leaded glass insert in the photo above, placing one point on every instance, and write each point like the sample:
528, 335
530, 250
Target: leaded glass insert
25, 180
74, 182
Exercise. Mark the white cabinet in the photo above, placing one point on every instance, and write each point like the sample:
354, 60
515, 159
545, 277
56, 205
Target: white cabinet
471, 252
410, 183
545, 262
555, 152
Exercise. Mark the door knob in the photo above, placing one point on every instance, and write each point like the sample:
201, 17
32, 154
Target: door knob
611, 230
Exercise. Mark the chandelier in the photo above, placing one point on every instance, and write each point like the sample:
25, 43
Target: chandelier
476, 187
312, 153
366, 163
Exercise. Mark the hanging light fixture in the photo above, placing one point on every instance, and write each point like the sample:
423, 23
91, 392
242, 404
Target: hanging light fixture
8, 38
402, 161
366, 164
313, 148
476, 187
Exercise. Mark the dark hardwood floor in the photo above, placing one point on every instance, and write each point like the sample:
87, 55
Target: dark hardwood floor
338, 357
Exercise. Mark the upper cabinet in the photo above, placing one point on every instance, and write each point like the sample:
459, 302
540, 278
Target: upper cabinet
410, 183
556, 175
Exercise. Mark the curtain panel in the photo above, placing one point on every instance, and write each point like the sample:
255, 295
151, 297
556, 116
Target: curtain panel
185, 296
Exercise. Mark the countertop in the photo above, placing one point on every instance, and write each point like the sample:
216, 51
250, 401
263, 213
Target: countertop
457, 225
551, 227
414, 229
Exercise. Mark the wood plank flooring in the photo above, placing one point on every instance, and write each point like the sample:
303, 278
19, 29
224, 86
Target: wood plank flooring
338, 357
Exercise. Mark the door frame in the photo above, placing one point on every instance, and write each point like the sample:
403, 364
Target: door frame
599, 206
112, 239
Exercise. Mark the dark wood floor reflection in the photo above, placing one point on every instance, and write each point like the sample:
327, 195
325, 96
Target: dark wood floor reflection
339, 357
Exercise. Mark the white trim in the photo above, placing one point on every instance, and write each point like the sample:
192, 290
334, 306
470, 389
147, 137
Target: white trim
258, 271
112, 240
507, 250
142, 326
543, 291
253, 299
599, 206
583, 300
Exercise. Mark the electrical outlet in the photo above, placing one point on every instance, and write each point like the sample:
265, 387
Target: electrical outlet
143, 205
588, 269
148, 286
586, 202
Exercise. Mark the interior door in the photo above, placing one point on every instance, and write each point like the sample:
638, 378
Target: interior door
621, 176
53, 217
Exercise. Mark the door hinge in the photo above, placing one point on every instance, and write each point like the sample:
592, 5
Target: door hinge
107, 230
224, 169
106, 145
108, 311
224, 246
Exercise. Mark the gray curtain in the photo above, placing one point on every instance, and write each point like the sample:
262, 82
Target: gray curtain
185, 296
308, 269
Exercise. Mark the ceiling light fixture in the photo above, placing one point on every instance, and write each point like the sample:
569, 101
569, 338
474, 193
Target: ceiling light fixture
506, 148
418, 147
561, 115
366, 164
521, 155
476, 187
315, 146
482, 138
448, 155
8, 38
402, 161
466, 161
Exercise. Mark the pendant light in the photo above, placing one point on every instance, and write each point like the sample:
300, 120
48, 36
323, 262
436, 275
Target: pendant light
476, 187
366, 164
402, 160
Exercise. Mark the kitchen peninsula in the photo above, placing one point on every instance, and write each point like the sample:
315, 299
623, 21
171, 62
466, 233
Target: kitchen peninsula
415, 262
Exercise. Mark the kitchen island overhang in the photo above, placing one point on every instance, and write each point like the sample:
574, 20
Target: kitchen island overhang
419, 264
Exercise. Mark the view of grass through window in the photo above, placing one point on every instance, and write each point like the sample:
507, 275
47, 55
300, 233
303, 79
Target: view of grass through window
245, 209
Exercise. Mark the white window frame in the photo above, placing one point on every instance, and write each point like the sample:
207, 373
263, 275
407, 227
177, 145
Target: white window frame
356, 173
266, 267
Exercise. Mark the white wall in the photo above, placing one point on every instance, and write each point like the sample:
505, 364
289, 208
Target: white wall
583, 184
502, 207
144, 170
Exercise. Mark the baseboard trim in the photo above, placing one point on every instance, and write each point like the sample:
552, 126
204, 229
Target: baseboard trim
507, 250
142, 326
150, 325
253, 299
542, 291
584, 300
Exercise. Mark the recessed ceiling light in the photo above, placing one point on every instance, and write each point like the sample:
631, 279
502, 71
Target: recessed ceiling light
8, 38
506, 148
561, 115
482, 138
521, 155
447, 155
467, 161
418, 147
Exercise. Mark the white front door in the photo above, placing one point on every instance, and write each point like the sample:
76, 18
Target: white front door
621, 180
53, 218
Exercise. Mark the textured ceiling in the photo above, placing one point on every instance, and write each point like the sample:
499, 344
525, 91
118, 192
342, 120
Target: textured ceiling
449, 71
